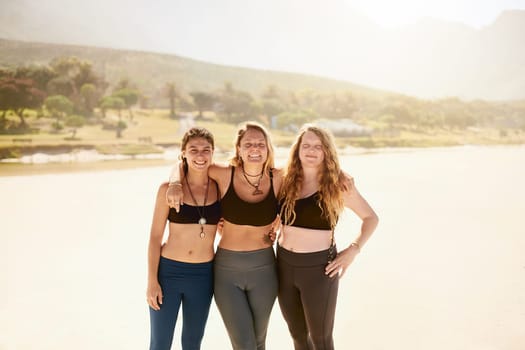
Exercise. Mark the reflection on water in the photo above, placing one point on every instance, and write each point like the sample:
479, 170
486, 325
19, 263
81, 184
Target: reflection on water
445, 269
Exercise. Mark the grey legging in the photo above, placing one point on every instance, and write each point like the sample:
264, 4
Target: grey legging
245, 291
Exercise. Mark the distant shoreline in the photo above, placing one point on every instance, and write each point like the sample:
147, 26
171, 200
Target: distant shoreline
121, 162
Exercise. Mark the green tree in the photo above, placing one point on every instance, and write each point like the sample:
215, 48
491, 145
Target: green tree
170, 91
90, 96
40, 75
236, 106
112, 102
18, 95
59, 106
130, 98
75, 122
124, 83
203, 101
72, 74
121, 125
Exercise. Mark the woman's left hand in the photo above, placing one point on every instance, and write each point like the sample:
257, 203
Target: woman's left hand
341, 262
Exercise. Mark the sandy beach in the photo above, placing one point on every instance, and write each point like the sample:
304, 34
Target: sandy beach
444, 270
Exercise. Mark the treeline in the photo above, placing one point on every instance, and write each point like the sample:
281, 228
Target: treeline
72, 93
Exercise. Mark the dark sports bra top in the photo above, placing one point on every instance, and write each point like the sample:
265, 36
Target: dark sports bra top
309, 215
240, 212
189, 214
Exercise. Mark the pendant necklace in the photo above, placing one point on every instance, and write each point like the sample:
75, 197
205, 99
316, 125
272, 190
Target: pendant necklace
254, 185
202, 219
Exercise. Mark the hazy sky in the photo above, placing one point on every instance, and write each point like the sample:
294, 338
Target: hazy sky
475, 13
180, 26
338, 39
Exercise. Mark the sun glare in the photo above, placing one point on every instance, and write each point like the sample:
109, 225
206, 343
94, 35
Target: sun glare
390, 13
397, 13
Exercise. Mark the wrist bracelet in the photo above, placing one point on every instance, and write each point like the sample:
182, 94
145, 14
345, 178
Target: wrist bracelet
174, 183
355, 244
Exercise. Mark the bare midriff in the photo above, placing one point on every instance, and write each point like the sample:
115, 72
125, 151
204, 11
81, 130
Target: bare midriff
304, 240
245, 237
185, 243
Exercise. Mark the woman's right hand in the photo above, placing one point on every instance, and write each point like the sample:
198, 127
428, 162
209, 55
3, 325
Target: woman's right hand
154, 295
174, 196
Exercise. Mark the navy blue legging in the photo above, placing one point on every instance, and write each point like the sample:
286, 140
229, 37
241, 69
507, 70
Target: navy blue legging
190, 284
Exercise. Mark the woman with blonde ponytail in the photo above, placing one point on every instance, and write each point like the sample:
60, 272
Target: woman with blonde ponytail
313, 194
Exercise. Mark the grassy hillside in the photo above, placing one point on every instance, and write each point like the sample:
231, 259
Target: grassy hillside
150, 71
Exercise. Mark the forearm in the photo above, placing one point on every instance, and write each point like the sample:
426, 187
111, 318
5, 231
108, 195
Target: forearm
154, 249
368, 227
176, 173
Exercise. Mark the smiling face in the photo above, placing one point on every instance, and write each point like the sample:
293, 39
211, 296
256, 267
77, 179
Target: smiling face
198, 153
311, 150
252, 147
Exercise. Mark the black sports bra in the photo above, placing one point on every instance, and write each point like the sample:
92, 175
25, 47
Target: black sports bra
308, 214
189, 214
240, 212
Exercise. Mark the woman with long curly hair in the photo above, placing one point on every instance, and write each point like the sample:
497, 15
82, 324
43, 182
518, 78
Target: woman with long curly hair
313, 194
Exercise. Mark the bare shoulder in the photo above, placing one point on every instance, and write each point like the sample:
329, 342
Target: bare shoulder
161, 195
347, 181
278, 173
220, 172
163, 188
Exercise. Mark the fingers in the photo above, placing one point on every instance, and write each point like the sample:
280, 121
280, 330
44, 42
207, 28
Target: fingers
343, 270
174, 197
152, 302
155, 300
272, 235
168, 200
175, 204
220, 226
334, 268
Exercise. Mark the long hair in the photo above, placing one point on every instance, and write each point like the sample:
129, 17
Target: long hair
236, 160
193, 133
331, 188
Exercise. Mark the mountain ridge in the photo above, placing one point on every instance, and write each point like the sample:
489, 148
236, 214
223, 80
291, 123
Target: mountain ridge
428, 59
150, 71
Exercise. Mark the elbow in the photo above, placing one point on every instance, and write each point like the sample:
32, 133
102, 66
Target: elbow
374, 219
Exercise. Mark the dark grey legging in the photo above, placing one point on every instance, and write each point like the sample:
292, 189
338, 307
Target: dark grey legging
245, 291
307, 298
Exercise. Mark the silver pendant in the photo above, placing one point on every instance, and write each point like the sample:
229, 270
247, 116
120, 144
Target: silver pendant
202, 221
203, 234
